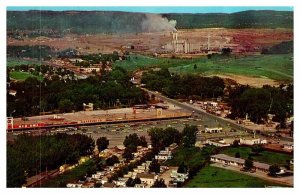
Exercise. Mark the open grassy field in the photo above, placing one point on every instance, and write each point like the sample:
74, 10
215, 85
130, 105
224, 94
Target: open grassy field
213, 177
276, 67
140, 62
72, 175
21, 76
265, 156
13, 62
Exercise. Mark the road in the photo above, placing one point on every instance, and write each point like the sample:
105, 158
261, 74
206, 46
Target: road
194, 109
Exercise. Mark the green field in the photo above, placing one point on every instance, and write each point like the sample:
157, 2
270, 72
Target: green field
276, 67
265, 156
72, 175
214, 177
21, 76
11, 62
145, 62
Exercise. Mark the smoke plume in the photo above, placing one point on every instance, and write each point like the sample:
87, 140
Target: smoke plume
157, 23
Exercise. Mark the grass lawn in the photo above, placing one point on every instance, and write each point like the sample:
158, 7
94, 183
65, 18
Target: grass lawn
265, 156
276, 67
186, 155
214, 177
21, 76
14, 61
72, 175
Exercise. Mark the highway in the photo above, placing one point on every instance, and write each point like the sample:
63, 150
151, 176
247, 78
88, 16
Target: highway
196, 110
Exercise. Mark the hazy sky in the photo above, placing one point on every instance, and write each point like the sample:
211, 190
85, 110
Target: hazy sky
227, 9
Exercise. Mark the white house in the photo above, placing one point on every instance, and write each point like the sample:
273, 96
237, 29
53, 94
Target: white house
121, 182
74, 185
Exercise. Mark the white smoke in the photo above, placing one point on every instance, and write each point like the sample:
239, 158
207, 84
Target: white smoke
157, 23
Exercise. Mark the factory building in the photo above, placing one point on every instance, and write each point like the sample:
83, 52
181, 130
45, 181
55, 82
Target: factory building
185, 46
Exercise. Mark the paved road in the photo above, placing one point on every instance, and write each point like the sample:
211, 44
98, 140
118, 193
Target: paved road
197, 110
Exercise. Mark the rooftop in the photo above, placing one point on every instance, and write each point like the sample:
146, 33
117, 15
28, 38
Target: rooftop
241, 161
145, 175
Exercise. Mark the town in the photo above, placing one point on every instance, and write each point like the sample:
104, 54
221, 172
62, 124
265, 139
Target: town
166, 103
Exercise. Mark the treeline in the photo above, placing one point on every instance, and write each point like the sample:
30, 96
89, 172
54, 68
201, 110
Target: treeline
244, 19
185, 86
58, 23
259, 102
284, 47
31, 155
112, 89
36, 51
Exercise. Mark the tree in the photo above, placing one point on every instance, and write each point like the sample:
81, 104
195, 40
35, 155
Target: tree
226, 51
132, 141
257, 148
273, 169
237, 155
65, 105
182, 168
189, 135
236, 143
248, 164
102, 143
128, 153
129, 182
112, 160
154, 166
98, 185
159, 184
143, 141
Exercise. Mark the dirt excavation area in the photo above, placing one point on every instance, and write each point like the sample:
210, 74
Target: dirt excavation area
257, 82
242, 40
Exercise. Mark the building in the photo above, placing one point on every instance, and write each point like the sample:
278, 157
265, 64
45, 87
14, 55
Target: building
88, 107
142, 185
252, 141
12, 92
147, 178
74, 185
220, 143
164, 154
238, 162
178, 177
121, 182
213, 130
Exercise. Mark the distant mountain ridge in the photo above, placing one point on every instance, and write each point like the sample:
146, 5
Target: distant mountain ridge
90, 22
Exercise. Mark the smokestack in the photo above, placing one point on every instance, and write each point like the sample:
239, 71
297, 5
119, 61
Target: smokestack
208, 42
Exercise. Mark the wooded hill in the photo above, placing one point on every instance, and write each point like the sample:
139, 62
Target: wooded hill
58, 23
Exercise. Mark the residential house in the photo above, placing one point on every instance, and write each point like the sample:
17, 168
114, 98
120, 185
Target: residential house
147, 178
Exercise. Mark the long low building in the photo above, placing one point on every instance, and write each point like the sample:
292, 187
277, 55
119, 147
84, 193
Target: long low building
239, 162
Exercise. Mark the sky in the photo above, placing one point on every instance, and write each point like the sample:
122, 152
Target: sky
160, 9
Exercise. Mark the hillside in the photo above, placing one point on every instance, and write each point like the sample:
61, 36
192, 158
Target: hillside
60, 22
245, 19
